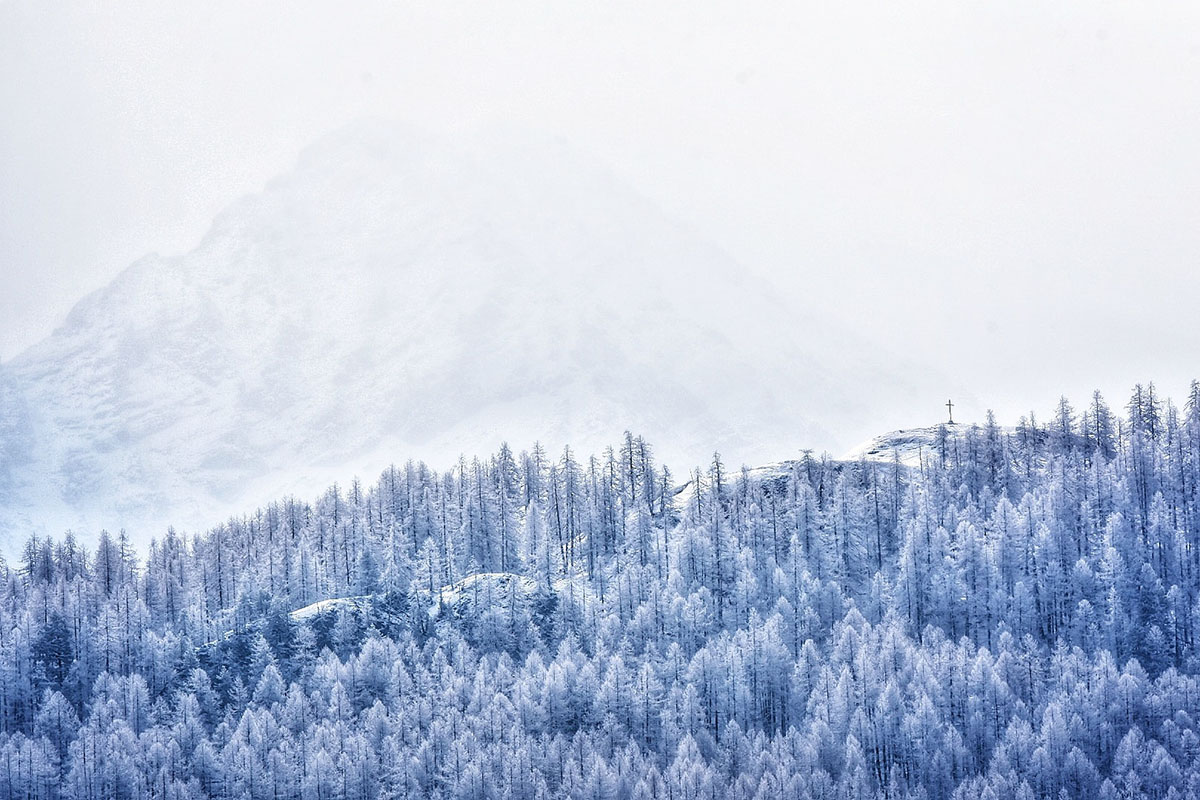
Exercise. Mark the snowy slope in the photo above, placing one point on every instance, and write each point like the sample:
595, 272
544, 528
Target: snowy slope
909, 445
913, 446
397, 295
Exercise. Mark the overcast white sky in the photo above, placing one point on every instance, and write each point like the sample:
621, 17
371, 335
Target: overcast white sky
1008, 190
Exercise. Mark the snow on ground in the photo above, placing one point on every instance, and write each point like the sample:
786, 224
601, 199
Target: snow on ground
911, 445
481, 584
330, 604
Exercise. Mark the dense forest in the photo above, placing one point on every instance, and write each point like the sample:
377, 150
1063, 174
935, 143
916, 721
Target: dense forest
1014, 616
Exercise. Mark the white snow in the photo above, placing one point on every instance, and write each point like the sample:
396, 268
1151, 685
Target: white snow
487, 584
397, 296
329, 604
913, 445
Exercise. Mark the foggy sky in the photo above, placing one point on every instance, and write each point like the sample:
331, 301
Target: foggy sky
1007, 191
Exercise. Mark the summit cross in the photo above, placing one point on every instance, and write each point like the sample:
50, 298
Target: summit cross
950, 408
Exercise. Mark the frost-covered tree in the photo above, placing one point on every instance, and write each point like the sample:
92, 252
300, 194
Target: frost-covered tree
1017, 615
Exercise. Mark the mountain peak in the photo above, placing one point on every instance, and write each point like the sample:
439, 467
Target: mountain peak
399, 294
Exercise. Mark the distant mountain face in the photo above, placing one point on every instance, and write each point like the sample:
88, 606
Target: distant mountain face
396, 296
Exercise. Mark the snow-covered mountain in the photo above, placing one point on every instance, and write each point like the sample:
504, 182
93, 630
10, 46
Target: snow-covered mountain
396, 294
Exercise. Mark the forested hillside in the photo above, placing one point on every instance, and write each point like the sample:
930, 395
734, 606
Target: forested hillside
1014, 617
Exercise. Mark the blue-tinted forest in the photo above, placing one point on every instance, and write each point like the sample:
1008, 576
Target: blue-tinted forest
1012, 614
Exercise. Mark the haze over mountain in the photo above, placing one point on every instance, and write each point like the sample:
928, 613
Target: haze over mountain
394, 296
